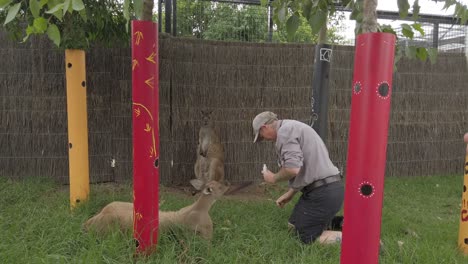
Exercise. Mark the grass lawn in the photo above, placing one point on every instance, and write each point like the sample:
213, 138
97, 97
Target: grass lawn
419, 225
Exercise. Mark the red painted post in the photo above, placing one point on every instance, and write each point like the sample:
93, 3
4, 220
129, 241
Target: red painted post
367, 147
145, 112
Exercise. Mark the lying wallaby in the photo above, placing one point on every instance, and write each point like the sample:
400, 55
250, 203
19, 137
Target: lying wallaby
209, 165
194, 217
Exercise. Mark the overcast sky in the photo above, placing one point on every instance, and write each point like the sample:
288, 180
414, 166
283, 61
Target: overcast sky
427, 7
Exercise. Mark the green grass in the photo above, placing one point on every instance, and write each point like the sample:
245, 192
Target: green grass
37, 226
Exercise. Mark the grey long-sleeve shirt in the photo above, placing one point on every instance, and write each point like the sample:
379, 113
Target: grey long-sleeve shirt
299, 146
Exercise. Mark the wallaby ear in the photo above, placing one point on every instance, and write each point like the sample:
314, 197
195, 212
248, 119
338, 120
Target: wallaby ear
197, 184
227, 183
206, 113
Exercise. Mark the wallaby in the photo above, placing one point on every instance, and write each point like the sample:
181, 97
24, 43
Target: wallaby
209, 165
194, 217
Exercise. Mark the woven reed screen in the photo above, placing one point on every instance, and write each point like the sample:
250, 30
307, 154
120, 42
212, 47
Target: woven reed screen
236, 80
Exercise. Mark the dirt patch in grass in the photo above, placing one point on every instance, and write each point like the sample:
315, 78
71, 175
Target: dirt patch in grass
238, 191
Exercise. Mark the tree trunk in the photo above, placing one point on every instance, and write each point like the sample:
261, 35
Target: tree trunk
322, 37
147, 10
369, 21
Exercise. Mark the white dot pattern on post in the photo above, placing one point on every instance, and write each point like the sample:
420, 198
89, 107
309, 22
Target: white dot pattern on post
357, 84
364, 184
378, 93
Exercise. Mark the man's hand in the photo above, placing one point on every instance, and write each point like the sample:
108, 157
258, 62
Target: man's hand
285, 198
283, 174
268, 176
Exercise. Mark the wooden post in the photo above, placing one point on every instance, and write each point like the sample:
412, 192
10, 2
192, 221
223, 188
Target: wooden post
145, 97
75, 65
367, 147
463, 232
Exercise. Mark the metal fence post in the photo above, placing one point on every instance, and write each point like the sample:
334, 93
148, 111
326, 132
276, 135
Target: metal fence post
168, 13
174, 17
270, 22
435, 36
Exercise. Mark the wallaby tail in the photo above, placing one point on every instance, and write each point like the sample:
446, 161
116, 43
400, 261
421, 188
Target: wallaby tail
237, 187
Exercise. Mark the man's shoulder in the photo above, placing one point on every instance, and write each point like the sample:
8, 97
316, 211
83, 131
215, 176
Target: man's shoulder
289, 124
291, 128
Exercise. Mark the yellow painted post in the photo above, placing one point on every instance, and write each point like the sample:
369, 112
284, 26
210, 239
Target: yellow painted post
463, 233
75, 66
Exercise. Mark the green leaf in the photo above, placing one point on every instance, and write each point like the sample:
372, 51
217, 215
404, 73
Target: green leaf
43, 2
448, 3
349, 5
419, 28
317, 20
264, 2
126, 10
138, 6
307, 9
315, 3
345, 2
292, 25
83, 15
12, 12
411, 51
407, 31
421, 53
40, 24
77, 5
54, 34
356, 14
282, 14
432, 52
35, 7
30, 30
464, 16
387, 29
5, 3
55, 8
66, 6
403, 7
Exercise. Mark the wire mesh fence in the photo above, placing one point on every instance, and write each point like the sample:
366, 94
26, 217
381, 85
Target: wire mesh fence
444, 37
248, 21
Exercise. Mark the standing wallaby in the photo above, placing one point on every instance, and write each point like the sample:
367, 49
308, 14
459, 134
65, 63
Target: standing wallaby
209, 165
195, 217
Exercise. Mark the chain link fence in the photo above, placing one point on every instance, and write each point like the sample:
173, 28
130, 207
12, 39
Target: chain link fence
444, 37
248, 21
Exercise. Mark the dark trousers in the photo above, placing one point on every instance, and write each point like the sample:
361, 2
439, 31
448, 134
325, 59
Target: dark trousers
315, 210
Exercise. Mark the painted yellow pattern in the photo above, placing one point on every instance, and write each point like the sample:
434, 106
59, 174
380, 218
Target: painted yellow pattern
137, 112
138, 216
150, 82
152, 152
134, 64
139, 37
148, 128
151, 57
146, 110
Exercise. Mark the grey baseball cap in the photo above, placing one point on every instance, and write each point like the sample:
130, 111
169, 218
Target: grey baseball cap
260, 120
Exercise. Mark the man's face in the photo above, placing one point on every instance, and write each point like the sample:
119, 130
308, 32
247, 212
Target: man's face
267, 132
